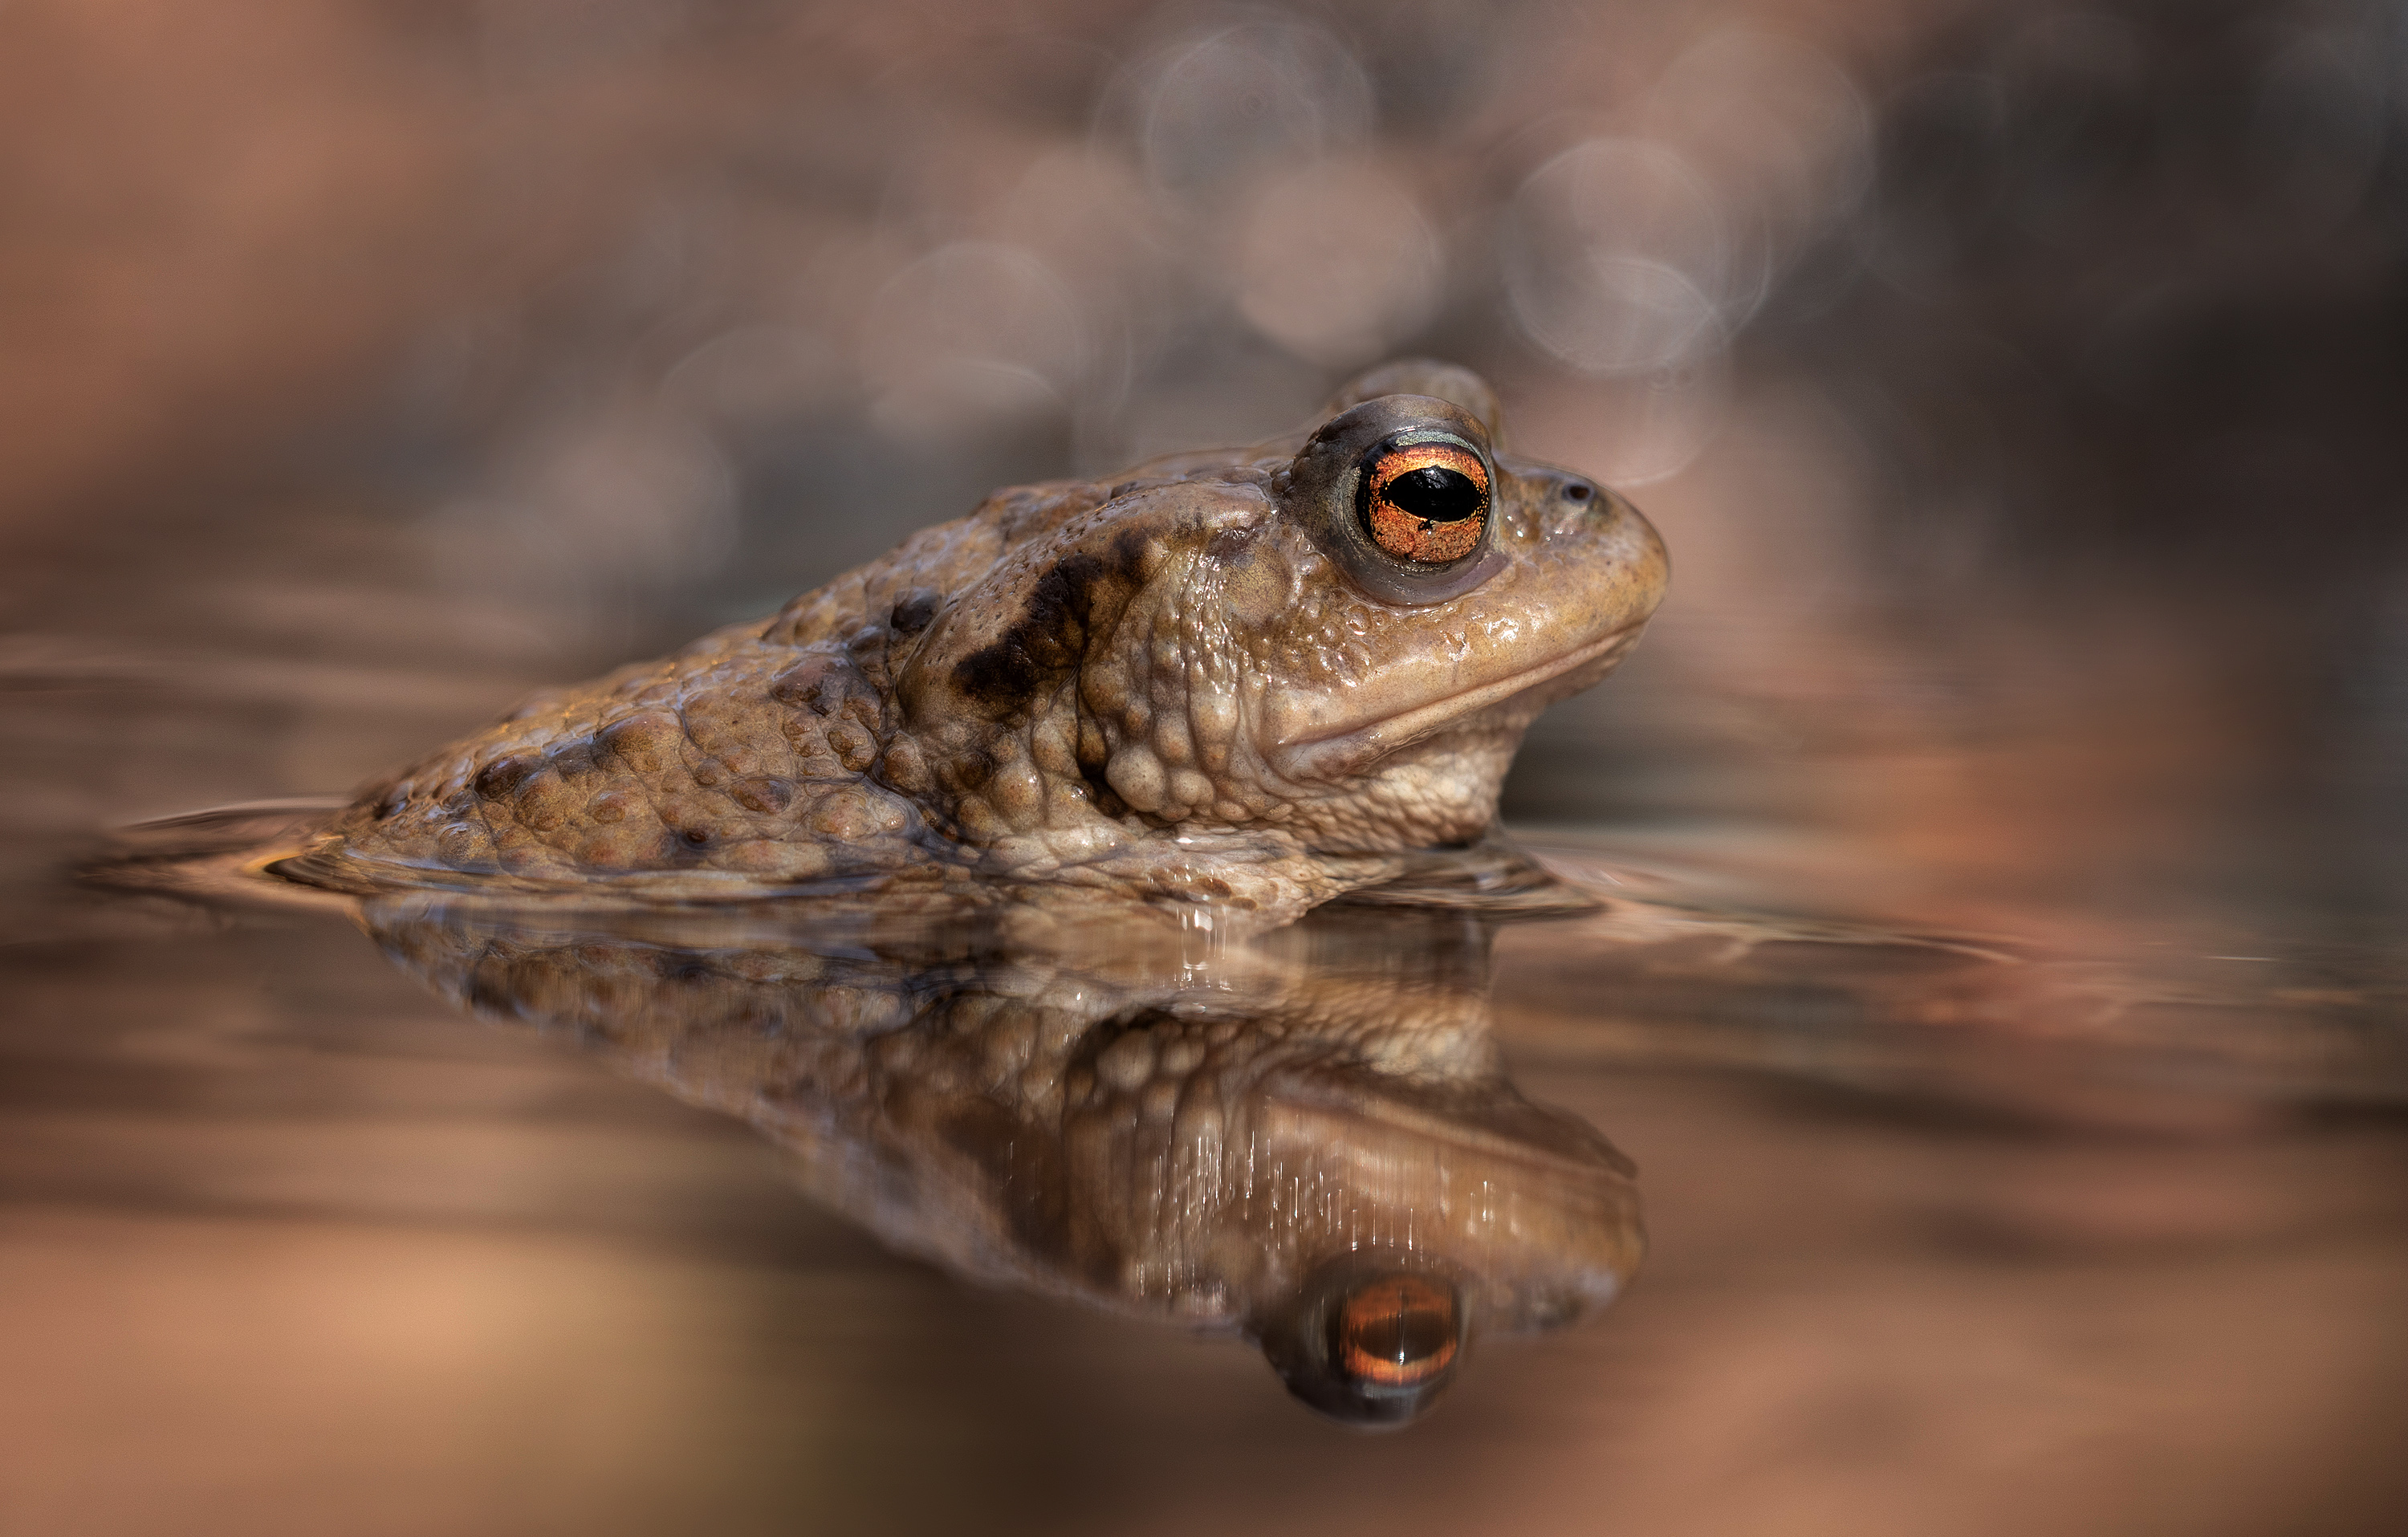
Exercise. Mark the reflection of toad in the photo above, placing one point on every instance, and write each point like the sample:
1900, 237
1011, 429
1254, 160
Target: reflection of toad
1310, 1139
1237, 677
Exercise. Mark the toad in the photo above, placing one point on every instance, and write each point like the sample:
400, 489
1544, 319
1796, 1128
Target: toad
1231, 683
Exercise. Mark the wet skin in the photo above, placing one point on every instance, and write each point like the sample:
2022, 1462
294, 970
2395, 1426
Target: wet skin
1246, 679
1308, 1140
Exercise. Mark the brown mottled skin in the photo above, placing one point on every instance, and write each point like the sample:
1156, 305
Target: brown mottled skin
1159, 688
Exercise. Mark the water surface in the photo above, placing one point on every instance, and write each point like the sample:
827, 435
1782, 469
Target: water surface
1943, 1229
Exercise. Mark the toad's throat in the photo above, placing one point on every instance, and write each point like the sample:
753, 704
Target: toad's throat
1330, 750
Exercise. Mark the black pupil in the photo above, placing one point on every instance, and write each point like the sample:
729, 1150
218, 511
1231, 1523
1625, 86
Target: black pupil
1435, 494
1410, 1335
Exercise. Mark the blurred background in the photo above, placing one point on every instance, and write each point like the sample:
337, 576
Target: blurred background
2020, 388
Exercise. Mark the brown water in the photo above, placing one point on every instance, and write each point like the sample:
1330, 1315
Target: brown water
2100, 1225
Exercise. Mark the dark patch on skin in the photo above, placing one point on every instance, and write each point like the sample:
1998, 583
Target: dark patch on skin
389, 803
915, 611
497, 779
1055, 626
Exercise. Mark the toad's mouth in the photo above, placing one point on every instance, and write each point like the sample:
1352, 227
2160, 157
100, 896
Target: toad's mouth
1331, 751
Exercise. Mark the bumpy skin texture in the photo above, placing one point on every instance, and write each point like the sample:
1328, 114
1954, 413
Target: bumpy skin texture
1163, 688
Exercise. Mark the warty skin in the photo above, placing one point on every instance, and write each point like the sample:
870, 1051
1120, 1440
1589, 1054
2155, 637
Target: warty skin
1194, 685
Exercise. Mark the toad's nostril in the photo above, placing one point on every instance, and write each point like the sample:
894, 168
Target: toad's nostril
1579, 490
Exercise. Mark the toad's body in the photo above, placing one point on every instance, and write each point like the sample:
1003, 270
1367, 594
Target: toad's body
1236, 677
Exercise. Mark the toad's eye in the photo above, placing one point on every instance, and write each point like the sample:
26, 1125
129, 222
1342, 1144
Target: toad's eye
1401, 496
1395, 1331
1424, 502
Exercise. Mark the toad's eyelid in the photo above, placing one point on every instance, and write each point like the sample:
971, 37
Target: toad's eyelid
1404, 436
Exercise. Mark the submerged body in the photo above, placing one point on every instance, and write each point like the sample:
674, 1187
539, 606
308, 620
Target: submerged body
1242, 678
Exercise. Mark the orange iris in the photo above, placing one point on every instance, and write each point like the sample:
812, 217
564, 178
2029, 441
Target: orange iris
1398, 1332
1427, 502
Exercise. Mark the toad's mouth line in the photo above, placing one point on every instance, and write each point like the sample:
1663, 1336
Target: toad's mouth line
1384, 733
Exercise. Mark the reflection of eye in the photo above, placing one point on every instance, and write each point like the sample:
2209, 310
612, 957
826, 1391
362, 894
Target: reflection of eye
1424, 502
1395, 1332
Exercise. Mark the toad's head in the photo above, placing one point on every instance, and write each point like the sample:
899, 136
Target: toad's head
1344, 637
